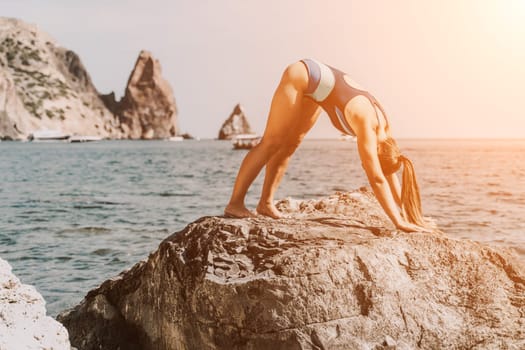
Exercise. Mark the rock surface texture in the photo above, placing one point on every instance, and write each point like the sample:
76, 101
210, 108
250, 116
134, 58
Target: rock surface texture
332, 275
23, 320
148, 109
236, 124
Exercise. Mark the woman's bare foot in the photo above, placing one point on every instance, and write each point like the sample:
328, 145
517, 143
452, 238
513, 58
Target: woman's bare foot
237, 211
268, 209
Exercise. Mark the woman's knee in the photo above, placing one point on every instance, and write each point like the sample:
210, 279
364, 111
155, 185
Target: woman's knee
271, 144
284, 146
290, 146
296, 74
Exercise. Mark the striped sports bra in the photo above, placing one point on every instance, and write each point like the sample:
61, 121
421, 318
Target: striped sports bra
327, 86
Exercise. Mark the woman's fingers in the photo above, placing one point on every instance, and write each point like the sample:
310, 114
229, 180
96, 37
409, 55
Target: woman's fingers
408, 227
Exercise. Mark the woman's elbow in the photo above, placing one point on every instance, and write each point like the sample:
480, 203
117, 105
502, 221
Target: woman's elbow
375, 176
376, 180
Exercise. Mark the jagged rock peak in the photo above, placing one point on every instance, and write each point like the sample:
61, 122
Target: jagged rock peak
334, 274
45, 86
236, 124
148, 108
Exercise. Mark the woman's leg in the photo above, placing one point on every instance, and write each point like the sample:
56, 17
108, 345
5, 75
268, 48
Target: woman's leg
286, 103
276, 166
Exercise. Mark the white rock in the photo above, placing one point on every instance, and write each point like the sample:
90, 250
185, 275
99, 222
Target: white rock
23, 320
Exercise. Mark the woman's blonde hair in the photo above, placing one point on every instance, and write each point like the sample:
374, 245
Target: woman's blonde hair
391, 160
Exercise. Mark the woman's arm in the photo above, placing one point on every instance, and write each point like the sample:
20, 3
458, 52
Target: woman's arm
367, 147
395, 188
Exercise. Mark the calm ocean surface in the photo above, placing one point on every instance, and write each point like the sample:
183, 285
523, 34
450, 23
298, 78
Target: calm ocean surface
73, 215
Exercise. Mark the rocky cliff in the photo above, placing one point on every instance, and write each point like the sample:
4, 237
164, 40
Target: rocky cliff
45, 86
333, 275
236, 124
148, 109
23, 320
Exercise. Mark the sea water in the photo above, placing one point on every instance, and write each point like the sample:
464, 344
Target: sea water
74, 215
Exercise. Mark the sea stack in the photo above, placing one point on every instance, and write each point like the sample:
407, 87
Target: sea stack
335, 274
148, 109
236, 124
45, 86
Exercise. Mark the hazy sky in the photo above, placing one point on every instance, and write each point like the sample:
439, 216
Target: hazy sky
448, 68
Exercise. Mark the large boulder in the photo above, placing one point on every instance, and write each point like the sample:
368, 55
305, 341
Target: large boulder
23, 320
236, 124
334, 274
148, 109
45, 86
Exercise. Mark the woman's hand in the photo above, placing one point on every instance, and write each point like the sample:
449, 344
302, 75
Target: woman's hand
408, 227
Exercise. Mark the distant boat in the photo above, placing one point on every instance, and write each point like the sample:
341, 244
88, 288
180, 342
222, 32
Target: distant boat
48, 135
245, 141
78, 138
176, 138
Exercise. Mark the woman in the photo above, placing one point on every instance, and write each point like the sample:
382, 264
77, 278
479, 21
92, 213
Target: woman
306, 87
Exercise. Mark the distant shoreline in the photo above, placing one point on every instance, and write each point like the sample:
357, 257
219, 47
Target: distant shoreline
433, 139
